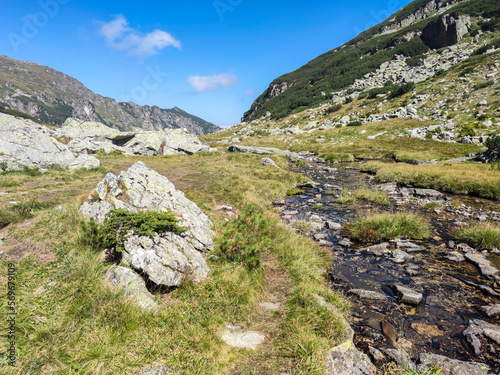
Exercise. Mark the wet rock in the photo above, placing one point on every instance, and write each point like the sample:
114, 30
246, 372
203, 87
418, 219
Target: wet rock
345, 242
478, 329
389, 331
401, 357
333, 226
412, 270
428, 193
407, 295
309, 185
408, 246
377, 250
320, 236
133, 285
455, 256
450, 366
369, 294
389, 188
345, 359
377, 355
279, 202
465, 248
399, 256
491, 311
485, 266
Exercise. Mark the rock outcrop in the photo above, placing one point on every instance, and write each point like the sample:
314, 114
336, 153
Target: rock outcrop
94, 137
26, 144
345, 359
167, 259
446, 31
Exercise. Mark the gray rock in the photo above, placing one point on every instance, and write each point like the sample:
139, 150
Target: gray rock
267, 162
26, 144
399, 256
345, 242
401, 357
333, 226
407, 295
248, 149
133, 285
450, 366
243, 340
85, 162
161, 370
377, 250
368, 294
477, 329
345, 359
491, 311
376, 354
455, 256
168, 259
485, 266
143, 189
428, 193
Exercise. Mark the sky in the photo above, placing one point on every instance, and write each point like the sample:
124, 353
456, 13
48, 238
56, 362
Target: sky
211, 58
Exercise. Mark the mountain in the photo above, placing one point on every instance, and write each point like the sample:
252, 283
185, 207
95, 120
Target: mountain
51, 97
410, 33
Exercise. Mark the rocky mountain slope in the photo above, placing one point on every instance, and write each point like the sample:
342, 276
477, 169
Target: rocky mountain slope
408, 37
51, 97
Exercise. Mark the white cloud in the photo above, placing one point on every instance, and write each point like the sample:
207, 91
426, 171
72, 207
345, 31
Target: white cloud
120, 36
212, 83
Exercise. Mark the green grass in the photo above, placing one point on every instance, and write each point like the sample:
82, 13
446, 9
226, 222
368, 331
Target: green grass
346, 197
433, 205
480, 236
294, 192
375, 196
458, 178
81, 326
386, 227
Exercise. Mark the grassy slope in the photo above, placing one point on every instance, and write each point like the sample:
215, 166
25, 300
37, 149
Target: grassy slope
80, 326
337, 69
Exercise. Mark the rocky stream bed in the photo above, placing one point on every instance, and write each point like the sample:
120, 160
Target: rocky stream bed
408, 298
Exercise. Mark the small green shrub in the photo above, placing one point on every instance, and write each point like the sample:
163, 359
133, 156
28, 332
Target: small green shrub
466, 71
387, 227
115, 228
483, 85
481, 236
333, 108
318, 206
89, 236
295, 192
355, 123
348, 99
245, 239
402, 89
493, 142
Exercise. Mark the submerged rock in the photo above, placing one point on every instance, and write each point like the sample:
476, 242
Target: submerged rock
491, 311
485, 266
369, 294
478, 329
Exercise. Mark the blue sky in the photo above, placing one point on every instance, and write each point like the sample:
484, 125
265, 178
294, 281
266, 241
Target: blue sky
211, 58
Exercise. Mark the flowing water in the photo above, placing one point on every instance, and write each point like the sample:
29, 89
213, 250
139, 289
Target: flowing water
451, 294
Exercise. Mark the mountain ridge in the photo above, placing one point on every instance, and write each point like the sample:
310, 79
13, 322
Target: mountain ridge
51, 96
313, 83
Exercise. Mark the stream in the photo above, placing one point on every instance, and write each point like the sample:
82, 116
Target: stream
452, 289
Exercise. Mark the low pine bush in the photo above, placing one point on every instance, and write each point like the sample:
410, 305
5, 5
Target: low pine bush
245, 239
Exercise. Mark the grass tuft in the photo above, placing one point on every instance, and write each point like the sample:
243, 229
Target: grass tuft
387, 227
481, 236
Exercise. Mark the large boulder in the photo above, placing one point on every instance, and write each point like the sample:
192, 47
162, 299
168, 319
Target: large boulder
168, 259
25, 143
94, 137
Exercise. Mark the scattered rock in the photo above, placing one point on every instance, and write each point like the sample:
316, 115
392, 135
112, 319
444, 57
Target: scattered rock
369, 294
270, 306
134, 286
491, 311
399, 256
407, 295
161, 370
345, 359
377, 355
450, 366
485, 266
389, 331
243, 340
455, 256
401, 357
377, 250
268, 163
477, 329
